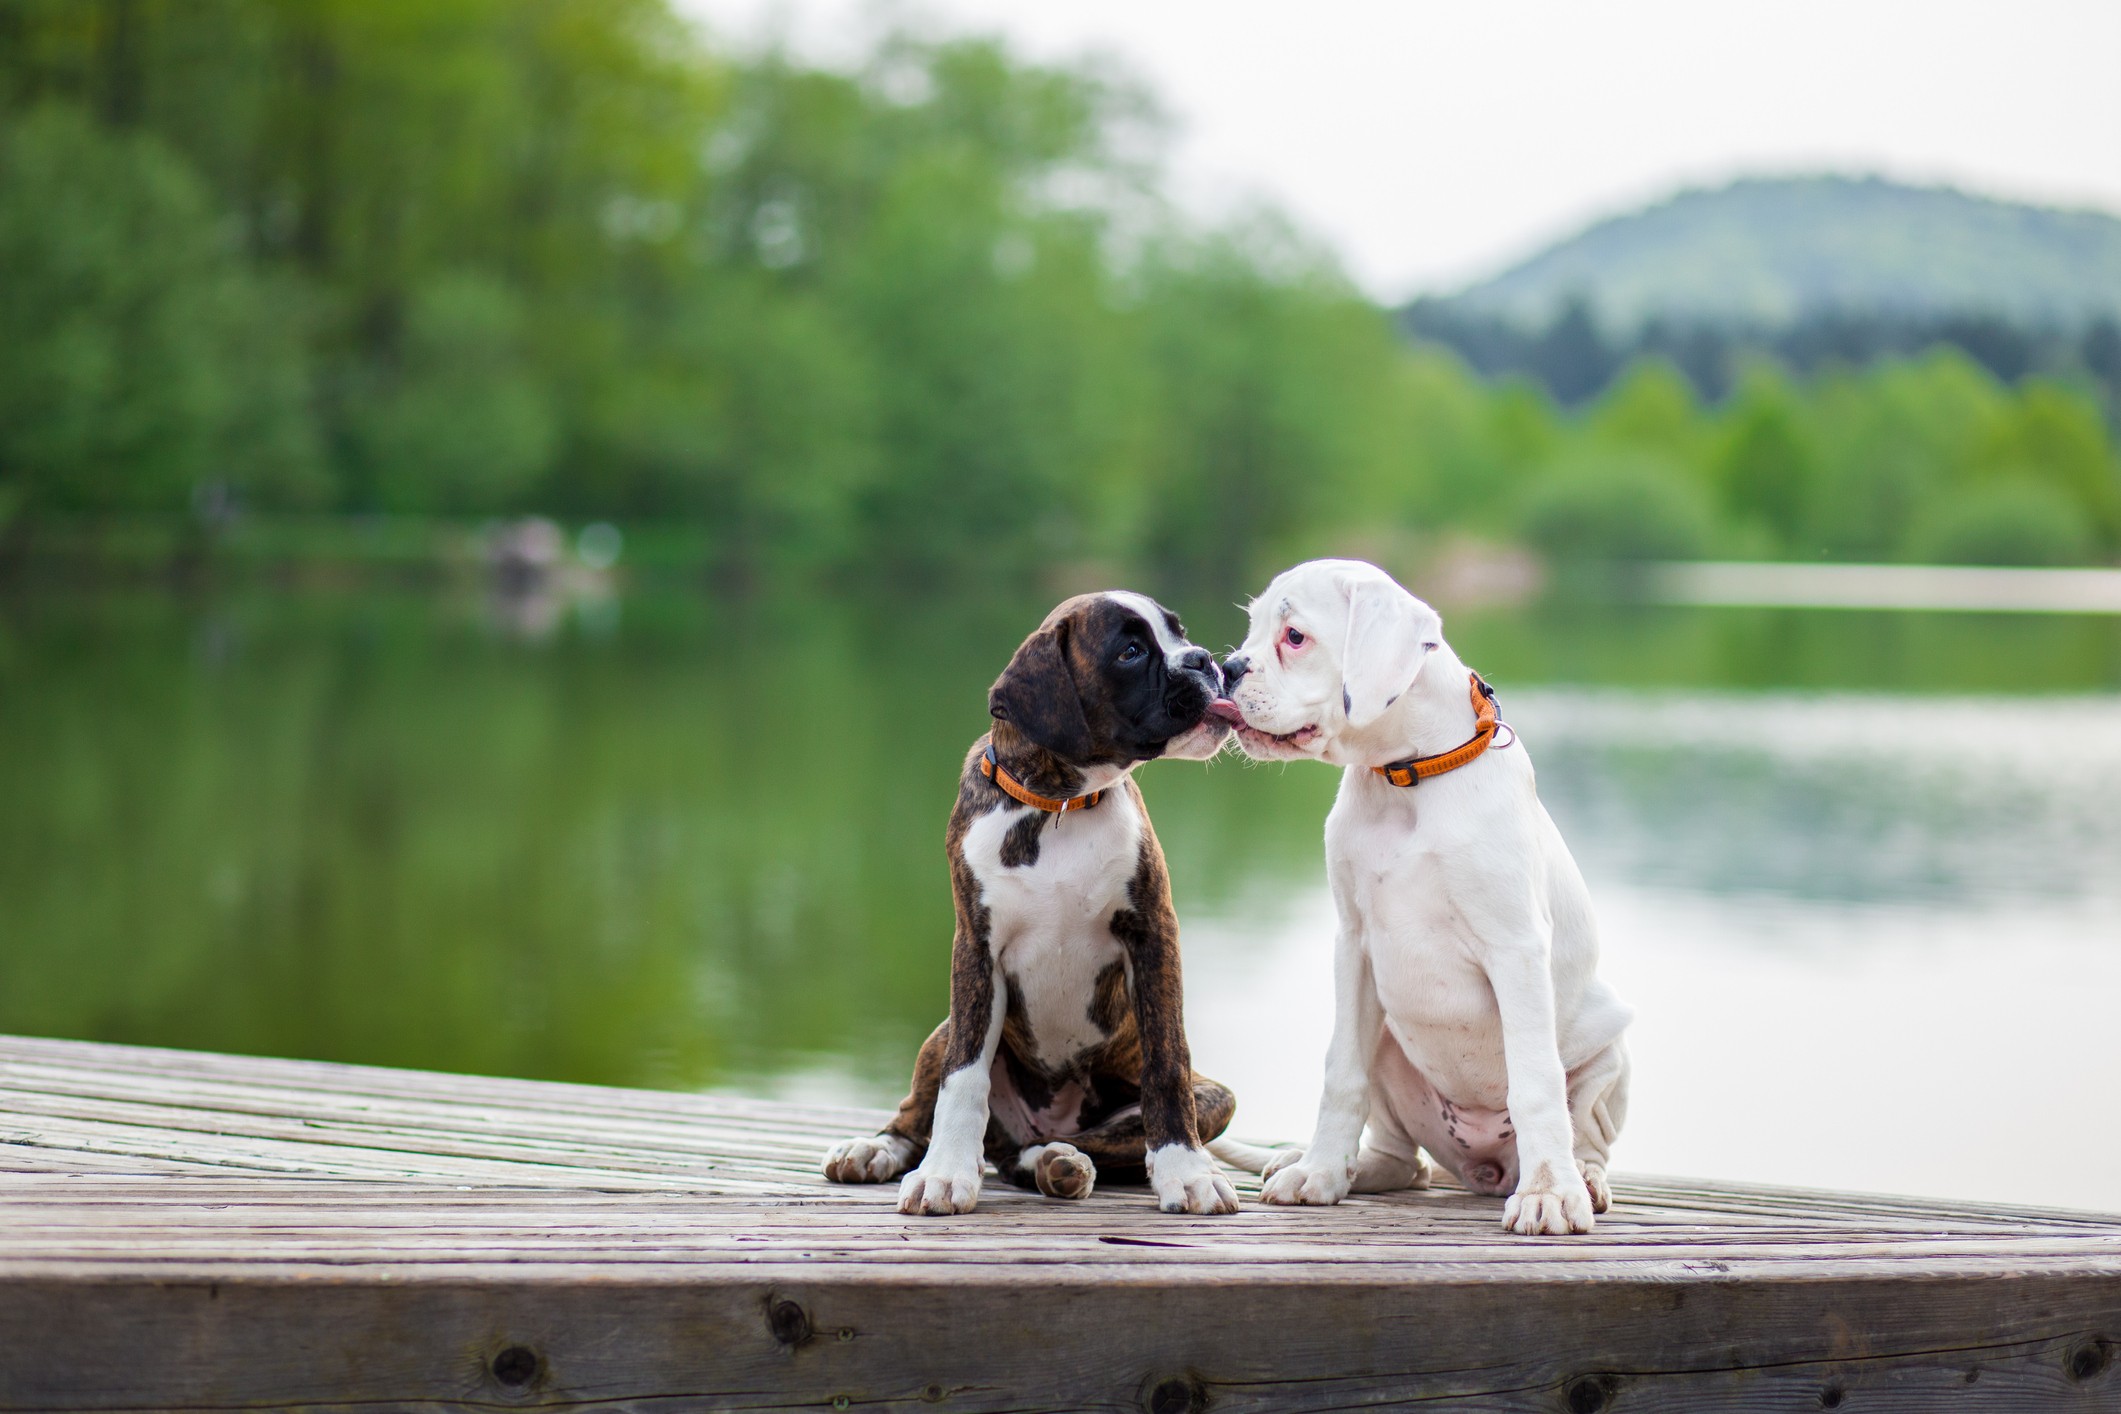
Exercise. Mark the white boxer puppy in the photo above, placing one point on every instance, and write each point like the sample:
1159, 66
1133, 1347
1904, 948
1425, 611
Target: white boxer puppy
1469, 1017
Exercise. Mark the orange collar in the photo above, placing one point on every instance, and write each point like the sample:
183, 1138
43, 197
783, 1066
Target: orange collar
992, 770
1486, 717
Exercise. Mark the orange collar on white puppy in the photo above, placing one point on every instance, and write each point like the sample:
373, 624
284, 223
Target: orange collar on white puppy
1486, 718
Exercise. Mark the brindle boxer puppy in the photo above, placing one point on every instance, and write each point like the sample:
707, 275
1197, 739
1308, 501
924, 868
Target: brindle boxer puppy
1064, 1054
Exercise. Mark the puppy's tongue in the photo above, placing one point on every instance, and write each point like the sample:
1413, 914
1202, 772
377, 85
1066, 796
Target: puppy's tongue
1224, 708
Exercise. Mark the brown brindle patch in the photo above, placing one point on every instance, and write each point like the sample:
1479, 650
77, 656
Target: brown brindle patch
1020, 844
1109, 1004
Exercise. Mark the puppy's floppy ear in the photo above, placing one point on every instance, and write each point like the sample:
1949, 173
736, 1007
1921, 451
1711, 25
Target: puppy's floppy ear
1390, 633
1036, 695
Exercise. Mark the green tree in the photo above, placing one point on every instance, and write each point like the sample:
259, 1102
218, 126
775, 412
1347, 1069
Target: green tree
462, 424
2012, 521
2054, 435
1651, 408
1617, 507
137, 356
1452, 471
1272, 381
1767, 466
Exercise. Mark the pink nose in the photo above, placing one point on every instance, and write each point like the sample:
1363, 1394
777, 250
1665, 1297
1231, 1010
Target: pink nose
1224, 708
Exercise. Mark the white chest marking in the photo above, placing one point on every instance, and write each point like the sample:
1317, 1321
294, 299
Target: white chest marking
1051, 922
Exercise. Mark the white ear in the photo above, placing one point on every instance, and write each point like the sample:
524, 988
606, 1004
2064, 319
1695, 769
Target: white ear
1390, 633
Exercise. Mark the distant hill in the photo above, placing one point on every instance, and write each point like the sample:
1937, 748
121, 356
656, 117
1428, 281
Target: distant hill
1771, 252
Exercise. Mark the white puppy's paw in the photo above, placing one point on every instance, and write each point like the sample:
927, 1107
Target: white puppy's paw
1549, 1204
1186, 1180
1595, 1180
1281, 1160
935, 1189
1308, 1184
875, 1158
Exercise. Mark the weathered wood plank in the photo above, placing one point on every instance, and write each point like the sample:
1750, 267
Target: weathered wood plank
293, 1233
1071, 1345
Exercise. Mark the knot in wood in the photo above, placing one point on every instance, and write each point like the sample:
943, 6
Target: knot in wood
1178, 1396
1587, 1394
789, 1322
516, 1366
2088, 1358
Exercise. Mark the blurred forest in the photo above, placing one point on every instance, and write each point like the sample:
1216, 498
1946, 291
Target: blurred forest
923, 321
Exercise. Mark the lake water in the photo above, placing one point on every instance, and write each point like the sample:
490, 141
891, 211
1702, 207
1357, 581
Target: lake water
1860, 873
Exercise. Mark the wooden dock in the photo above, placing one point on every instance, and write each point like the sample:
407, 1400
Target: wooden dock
199, 1232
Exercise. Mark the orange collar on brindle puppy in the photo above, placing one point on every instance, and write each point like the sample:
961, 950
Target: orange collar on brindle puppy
994, 771
1486, 719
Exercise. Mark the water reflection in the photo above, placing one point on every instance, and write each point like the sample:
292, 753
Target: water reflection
1859, 798
694, 844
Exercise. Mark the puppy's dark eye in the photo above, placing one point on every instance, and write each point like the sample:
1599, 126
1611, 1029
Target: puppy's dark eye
1132, 653
1294, 638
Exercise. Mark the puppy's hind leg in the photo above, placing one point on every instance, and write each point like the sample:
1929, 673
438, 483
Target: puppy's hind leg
1382, 1165
1114, 1147
1056, 1168
1390, 1160
1119, 1146
1598, 1106
1053, 1167
883, 1157
1213, 1107
872, 1159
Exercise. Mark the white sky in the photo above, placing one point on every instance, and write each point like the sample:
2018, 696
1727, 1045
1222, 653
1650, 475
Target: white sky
1432, 143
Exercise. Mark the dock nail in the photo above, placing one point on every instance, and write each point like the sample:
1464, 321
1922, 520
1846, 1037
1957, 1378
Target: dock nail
516, 1366
789, 1322
1178, 1396
1588, 1394
2088, 1358
1831, 1394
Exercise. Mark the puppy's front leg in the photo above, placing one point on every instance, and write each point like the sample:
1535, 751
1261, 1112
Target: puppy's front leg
1184, 1177
948, 1179
1327, 1170
1551, 1195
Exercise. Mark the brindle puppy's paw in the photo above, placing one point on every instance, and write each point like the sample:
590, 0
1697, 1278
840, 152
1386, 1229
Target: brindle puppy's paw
1186, 1180
1547, 1204
1308, 1185
1595, 1180
1064, 1171
872, 1159
933, 1191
